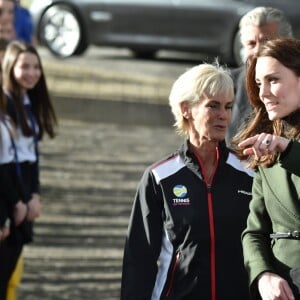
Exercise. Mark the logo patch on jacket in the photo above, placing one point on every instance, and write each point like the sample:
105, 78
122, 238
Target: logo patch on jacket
180, 191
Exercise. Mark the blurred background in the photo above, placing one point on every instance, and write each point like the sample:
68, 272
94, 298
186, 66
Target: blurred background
26, 3
113, 110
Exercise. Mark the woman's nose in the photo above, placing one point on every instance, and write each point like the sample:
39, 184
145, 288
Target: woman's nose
263, 90
224, 113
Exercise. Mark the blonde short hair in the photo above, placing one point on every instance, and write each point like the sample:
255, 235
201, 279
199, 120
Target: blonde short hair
205, 79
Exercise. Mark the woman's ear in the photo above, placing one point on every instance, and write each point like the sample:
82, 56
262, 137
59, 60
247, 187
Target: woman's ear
185, 110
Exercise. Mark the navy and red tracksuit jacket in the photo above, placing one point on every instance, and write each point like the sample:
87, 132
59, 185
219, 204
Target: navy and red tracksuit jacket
184, 235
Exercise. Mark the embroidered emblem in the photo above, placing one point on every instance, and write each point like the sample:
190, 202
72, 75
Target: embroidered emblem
180, 191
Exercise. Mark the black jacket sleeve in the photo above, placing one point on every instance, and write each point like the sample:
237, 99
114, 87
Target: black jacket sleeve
289, 159
9, 192
143, 242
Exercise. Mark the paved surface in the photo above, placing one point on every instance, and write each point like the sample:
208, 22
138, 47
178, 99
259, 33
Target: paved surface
121, 84
89, 174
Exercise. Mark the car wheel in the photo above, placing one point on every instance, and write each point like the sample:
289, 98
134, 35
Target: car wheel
61, 32
238, 50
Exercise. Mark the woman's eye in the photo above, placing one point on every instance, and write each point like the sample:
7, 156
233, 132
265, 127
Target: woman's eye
212, 105
273, 79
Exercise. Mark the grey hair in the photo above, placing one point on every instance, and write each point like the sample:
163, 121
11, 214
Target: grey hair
203, 80
262, 15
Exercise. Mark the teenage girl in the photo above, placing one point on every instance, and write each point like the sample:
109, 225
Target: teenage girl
30, 108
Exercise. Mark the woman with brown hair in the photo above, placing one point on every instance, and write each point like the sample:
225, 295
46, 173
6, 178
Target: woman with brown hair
12, 209
270, 143
30, 108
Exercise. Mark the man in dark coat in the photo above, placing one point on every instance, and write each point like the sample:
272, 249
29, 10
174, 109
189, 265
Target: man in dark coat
256, 27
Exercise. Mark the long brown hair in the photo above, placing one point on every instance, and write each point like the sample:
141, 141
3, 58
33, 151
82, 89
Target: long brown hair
287, 52
39, 96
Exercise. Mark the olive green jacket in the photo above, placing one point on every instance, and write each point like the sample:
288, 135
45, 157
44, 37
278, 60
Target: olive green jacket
275, 207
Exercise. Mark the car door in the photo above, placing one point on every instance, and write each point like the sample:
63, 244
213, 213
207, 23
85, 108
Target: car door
208, 25
136, 22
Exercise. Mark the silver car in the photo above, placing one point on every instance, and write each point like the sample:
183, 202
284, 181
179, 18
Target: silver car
68, 27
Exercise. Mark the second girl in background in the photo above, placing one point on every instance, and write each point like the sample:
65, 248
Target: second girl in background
29, 106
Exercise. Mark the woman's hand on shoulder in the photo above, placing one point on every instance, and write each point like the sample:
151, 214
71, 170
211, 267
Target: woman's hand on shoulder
263, 144
273, 287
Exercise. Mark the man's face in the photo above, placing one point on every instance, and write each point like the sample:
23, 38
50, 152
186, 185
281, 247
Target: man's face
253, 37
6, 12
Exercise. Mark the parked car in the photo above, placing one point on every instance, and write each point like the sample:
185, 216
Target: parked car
68, 27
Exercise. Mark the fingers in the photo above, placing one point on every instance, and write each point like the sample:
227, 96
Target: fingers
263, 144
20, 211
287, 291
34, 209
29, 211
257, 145
248, 142
273, 287
266, 142
5, 231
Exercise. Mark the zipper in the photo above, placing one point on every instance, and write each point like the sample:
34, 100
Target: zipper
208, 182
212, 246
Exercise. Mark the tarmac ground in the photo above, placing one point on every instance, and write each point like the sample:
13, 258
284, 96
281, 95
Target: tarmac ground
89, 174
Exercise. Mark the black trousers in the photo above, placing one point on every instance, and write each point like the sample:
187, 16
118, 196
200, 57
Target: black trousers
11, 248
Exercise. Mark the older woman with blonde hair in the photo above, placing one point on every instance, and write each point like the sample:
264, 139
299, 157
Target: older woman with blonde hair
190, 208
